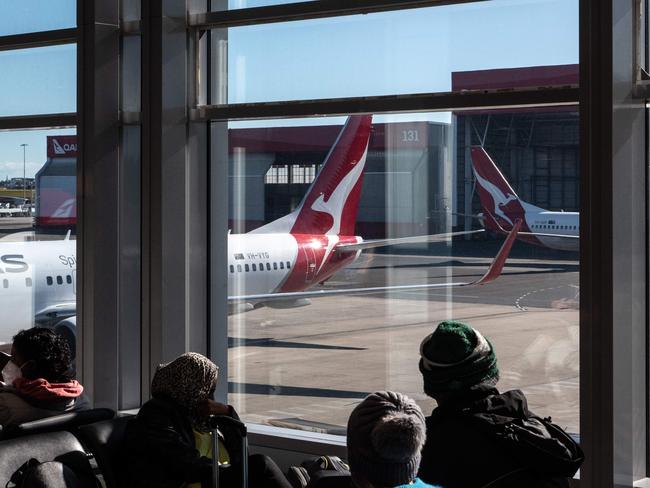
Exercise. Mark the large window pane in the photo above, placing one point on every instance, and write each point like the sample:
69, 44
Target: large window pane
22, 16
37, 210
304, 362
37, 81
410, 51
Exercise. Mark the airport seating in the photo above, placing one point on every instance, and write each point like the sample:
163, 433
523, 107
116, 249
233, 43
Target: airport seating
66, 421
105, 440
51, 446
330, 479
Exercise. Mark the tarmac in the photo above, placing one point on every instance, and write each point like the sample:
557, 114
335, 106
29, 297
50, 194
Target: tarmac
308, 367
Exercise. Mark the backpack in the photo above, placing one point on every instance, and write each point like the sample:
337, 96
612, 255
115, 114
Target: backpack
319, 471
536, 442
54, 474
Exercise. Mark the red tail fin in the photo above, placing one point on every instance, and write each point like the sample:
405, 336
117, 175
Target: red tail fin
498, 199
331, 203
502, 256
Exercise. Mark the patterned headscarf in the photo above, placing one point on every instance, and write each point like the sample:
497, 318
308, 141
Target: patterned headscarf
188, 380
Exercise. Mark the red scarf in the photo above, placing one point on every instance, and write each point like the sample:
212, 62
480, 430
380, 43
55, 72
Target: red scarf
42, 389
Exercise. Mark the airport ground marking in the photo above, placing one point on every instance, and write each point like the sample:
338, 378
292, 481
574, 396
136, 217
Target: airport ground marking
524, 309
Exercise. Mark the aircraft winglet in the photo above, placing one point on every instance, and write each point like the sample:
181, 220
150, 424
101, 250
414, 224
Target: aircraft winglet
495, 269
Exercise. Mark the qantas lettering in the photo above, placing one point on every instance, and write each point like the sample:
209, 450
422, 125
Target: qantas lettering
16, 263
63, 148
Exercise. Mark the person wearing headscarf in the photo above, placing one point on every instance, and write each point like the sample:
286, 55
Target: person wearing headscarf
460, 371
168, 444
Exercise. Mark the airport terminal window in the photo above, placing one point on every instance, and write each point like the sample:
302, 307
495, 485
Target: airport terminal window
411, 186
407, 51
23, 16
37, 209
38, 80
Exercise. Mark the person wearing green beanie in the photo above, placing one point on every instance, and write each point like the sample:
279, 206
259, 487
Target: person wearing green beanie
460, 371
456, 357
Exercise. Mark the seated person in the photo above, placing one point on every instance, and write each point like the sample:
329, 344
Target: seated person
386, 433
460, 371
37, 380
168, 444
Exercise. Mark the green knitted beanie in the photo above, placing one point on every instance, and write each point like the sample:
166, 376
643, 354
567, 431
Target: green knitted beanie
456, 357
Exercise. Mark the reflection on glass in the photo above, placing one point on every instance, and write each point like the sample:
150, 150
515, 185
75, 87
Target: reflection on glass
220, 5
320, 205
38, 81
410, 51
23, 16
37, 232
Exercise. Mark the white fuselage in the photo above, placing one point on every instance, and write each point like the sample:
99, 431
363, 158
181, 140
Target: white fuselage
560, 223
42, 274
259, 263
33, 276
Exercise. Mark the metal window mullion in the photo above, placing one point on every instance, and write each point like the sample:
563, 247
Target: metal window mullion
433, 102
97, 195
21, 122
38, 39
308, 10
596, 308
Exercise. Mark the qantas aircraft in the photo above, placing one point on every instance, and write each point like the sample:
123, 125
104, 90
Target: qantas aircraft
502, 207
37, 286
276, 265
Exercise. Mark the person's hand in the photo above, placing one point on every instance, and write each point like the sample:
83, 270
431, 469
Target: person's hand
210, 407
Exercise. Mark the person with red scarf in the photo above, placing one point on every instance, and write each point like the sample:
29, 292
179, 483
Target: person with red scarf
37, 381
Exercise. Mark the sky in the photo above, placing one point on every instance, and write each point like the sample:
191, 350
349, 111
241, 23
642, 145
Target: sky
411, 51
34, 80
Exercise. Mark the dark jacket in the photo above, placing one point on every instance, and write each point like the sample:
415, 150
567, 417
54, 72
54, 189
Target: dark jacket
160, 448
458, 455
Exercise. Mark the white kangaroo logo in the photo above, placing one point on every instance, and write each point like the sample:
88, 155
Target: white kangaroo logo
65, 209
500, 199
336, 202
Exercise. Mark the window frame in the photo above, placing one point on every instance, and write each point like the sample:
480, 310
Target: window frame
200, 111
30, 40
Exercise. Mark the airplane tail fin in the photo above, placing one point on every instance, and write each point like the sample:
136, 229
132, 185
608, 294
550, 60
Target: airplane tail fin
501, 205
331, 203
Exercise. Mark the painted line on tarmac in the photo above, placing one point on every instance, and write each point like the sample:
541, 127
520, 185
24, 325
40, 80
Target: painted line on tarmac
532, 292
